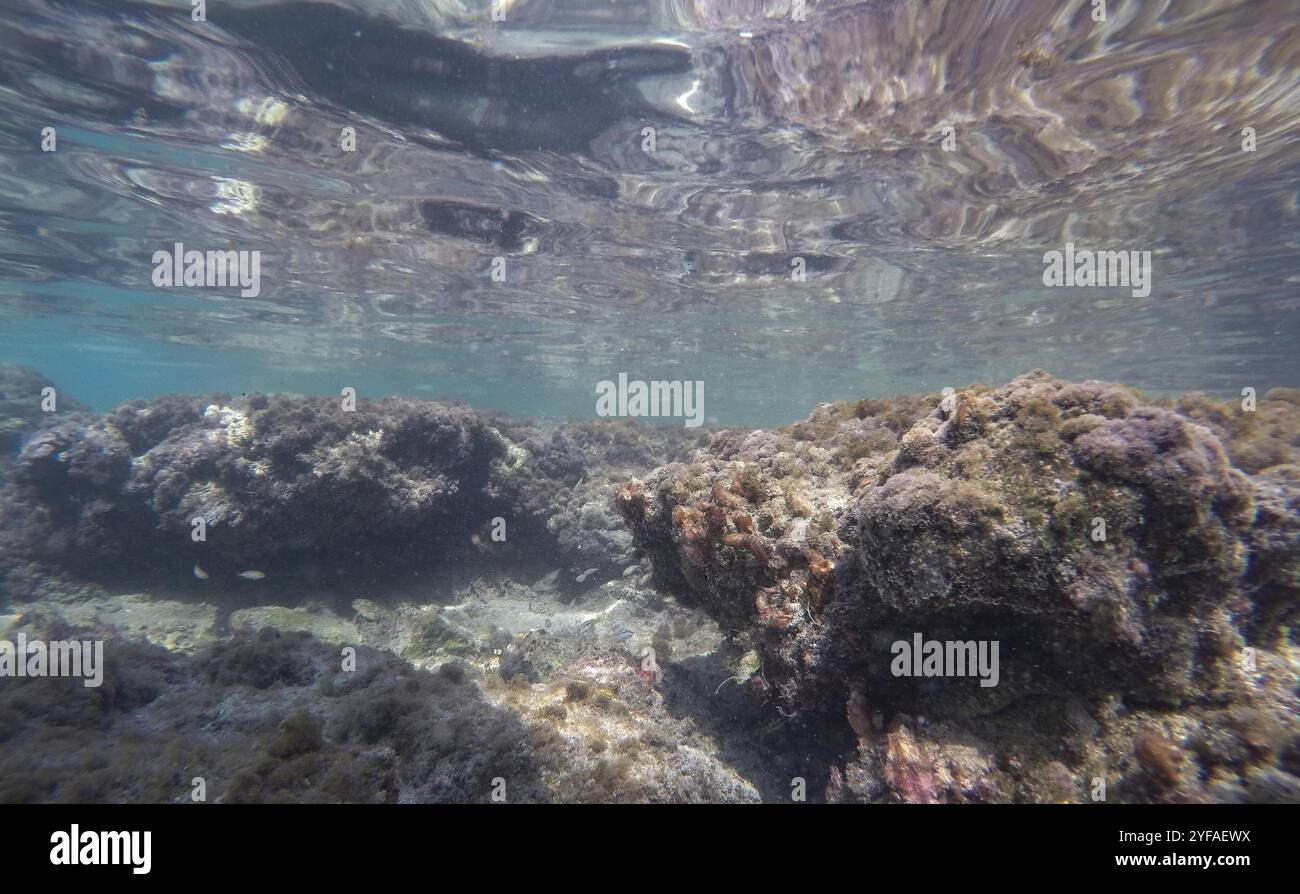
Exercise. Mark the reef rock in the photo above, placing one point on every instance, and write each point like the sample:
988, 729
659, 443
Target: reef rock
267, 477
1108, 545
22, 392
562, 477
278, 483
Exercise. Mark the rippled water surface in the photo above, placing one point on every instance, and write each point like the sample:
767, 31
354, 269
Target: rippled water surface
522, 145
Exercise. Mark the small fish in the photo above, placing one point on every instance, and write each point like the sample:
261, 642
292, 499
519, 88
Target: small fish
581, 578
251, 575
623, 635
547, 582
199, 572
587, 626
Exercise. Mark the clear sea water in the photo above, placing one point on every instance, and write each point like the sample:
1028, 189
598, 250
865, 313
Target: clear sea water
775, 139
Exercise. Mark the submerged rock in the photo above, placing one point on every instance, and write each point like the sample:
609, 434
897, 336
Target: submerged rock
278, 708
563, 477
1109, 546
237, 482
283, 483
264, 717
22, 392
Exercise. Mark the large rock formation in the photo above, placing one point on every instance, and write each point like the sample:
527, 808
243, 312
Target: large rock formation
1109, 547
292, 482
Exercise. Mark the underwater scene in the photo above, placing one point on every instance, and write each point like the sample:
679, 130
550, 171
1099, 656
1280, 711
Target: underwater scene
650, 401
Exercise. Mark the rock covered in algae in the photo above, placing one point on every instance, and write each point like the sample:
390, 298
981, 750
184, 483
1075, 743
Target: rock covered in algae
22, 405
277, 716
561, 477
262, 716
266, 476
279, 481
1107, 544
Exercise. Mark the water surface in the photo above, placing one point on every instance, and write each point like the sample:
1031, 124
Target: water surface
525, 140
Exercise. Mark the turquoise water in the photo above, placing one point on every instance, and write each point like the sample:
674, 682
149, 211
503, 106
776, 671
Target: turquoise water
923, 262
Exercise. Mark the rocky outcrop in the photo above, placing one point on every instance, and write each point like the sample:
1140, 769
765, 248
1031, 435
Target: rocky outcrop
1108, 545
22, 394
562, 478
265, 479
279, 482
